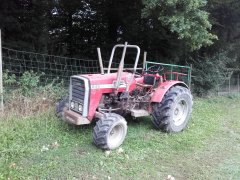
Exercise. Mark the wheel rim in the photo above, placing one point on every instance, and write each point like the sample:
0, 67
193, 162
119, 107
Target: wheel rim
116, 136
180, 112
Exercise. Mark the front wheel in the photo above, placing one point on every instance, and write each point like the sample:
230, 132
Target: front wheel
110, 131
173, 113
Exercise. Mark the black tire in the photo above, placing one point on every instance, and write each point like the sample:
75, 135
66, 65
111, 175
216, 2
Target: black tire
173, 113
60, 106
110, 131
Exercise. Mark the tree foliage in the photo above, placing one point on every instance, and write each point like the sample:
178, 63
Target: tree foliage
225, 15
211, 72
186, 18
67, 28
169, 30
24, 24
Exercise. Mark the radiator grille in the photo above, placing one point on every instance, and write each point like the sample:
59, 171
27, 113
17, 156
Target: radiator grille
78, 90
79, 95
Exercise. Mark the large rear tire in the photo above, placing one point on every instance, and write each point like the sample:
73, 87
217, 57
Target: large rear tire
110, 131
173, 113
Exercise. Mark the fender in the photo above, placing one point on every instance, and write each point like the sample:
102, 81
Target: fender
163, 88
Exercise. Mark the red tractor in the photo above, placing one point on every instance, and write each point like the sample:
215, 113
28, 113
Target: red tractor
109, 97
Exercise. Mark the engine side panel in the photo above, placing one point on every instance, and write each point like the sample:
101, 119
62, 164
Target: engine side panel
104, 84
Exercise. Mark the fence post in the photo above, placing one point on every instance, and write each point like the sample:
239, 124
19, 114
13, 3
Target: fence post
190, 77
229, 85
238, 83
1, 74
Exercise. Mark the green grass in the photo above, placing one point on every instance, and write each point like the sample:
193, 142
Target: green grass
208, 149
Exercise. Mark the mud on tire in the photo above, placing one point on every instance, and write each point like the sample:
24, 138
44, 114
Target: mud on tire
110, 131
173, 113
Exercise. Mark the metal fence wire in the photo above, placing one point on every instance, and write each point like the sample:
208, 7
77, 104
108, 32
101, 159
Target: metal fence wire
49, 67
230, 86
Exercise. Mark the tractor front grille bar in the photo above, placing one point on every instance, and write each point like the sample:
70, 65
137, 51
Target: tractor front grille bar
78, 90
79, 95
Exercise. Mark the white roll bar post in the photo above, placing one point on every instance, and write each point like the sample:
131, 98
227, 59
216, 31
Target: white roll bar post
120, 68
100, 60
144, 59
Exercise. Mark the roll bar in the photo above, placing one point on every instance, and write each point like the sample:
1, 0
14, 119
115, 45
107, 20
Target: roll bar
123, 55
121, 64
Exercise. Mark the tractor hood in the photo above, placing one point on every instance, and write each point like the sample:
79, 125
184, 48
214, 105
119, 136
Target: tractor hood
106, 79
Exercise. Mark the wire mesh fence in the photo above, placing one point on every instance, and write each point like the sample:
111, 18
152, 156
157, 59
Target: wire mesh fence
230, 86
50, 68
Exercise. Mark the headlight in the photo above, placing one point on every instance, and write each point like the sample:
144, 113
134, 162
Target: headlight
80, 107
72, 105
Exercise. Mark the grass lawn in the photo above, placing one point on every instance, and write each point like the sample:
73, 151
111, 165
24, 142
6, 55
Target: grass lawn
43, 147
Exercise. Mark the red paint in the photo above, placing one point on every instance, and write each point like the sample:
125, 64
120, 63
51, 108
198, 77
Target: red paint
96, 94
108, 79
163, 88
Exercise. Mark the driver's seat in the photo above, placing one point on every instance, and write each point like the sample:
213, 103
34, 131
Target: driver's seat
148, 81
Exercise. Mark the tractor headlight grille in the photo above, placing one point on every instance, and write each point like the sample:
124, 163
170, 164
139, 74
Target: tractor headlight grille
79, 95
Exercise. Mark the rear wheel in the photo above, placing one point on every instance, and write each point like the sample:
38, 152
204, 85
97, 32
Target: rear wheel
173, 113
110, 131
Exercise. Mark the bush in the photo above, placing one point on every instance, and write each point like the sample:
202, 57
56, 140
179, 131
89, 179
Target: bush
211, 72
28, 82
9, 79
26, 94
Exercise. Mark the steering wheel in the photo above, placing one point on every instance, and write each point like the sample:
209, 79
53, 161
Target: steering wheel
154, 69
